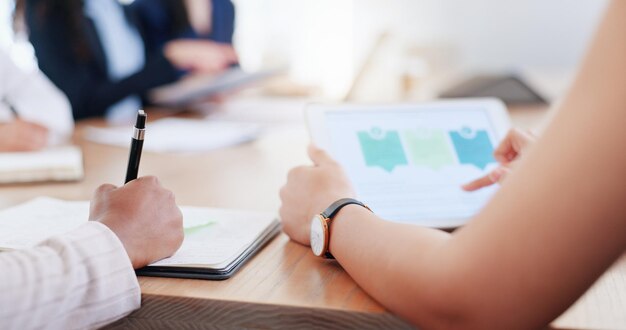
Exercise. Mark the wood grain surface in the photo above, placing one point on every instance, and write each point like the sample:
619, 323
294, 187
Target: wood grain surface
158, 312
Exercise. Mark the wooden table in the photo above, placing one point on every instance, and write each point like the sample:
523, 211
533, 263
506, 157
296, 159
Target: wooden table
284, 285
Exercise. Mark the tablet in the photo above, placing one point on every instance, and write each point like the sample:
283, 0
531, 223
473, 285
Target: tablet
408, 161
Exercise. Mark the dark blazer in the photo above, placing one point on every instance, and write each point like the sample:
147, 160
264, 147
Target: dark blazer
84, 79
158, 26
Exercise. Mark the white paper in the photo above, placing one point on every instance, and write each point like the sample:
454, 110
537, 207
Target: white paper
213, 237
54, 164
179, 135
221, 242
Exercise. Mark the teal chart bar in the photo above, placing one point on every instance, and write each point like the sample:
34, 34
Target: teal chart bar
430, 148
382, 149
473, 147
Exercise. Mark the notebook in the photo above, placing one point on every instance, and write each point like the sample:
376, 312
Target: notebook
63, 163
217, 241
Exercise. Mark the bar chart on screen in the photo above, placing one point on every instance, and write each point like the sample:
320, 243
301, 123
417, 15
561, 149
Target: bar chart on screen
410, 166
424, 147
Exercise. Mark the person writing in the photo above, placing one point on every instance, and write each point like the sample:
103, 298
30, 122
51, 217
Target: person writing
33, 112
556, 224
85, 278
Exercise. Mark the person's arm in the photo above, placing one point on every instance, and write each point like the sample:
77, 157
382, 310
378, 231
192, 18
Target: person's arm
557, 223
82, 279
36, 100
85, 278
17, 134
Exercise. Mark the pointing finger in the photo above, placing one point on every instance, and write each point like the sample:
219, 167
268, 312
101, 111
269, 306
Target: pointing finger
479, 183
319, 156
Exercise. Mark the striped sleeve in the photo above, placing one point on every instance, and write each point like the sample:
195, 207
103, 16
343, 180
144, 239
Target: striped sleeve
83, 279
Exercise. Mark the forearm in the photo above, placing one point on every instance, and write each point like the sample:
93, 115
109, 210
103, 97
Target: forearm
79, 280
92, 95
400, 265
50, 108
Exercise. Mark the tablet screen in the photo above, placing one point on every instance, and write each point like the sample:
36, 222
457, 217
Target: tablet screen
408, 165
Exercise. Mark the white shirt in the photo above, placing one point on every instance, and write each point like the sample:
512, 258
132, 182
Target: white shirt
80, 280
36, 100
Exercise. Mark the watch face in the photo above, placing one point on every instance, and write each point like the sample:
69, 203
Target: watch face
318, 236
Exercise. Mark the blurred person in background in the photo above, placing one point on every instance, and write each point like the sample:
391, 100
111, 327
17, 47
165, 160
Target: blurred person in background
33, 112
94, 51
167, 20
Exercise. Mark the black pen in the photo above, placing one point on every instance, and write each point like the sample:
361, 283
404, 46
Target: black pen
136, 145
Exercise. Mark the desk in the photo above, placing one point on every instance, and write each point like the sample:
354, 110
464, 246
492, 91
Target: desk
284, 285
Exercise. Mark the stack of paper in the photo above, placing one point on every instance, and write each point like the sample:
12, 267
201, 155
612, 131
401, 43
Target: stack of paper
53, 164
179, 135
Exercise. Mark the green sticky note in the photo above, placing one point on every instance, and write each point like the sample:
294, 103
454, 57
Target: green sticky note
429, 148
382, 149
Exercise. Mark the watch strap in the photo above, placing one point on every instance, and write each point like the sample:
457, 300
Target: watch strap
332, 210
335, 207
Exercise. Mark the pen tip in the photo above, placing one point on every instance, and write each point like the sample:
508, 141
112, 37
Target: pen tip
141, 119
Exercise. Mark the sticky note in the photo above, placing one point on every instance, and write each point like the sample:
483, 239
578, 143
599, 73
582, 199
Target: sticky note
382, 148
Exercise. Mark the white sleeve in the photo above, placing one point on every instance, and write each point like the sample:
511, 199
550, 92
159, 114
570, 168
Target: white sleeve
83, 279
36, 99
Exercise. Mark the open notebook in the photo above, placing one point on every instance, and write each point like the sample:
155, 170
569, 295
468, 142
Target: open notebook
217, 241
53, 164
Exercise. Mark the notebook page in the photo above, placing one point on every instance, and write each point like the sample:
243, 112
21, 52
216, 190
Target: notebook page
27, 224
212, 236
223, 241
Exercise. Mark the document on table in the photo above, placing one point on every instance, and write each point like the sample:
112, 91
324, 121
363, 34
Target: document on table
214, 238
63, 163
180, 135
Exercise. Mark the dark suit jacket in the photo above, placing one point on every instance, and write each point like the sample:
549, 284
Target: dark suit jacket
158, 25
85, 80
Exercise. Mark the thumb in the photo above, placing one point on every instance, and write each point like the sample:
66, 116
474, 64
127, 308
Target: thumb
319, 156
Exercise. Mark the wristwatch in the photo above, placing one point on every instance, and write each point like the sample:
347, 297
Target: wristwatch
320, 227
